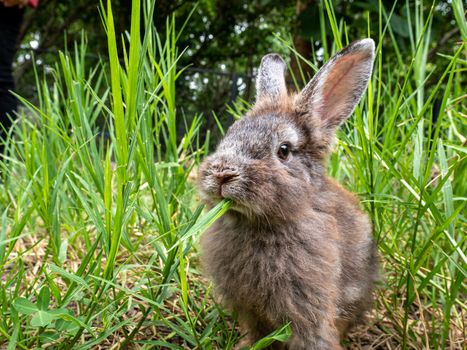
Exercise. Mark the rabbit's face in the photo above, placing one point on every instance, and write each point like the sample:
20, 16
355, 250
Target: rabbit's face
259, 165
270, 161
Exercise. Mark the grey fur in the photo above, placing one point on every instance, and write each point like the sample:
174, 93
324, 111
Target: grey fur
295, 246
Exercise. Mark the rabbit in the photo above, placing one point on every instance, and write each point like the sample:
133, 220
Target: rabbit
294, 245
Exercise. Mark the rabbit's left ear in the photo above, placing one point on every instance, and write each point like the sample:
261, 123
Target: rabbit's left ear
331, 96
270, 82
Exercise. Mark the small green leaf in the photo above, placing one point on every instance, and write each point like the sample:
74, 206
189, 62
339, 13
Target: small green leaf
42, 319
63, 251
67, 316
43, 299
17, 324
24, 306
66, 326
54, 289
281, 335
48, 337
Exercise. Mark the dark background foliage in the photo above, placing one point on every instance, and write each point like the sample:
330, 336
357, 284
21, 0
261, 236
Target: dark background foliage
224, 40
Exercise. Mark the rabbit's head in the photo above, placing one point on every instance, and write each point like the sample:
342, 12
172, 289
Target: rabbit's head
272, 159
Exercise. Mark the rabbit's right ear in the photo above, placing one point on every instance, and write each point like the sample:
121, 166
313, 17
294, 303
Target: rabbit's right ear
270, 82
331, 96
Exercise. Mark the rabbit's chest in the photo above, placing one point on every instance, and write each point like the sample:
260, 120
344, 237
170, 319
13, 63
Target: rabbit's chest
245, 267
257, 269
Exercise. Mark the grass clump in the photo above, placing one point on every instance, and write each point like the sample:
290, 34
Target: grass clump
99, 217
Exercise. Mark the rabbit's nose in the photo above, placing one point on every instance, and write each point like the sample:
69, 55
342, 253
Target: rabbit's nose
225, 176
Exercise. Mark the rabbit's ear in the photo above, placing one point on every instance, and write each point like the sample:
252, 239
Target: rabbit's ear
331, 96
270, 82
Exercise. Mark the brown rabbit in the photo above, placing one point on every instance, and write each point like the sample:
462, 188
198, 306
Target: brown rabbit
295, 246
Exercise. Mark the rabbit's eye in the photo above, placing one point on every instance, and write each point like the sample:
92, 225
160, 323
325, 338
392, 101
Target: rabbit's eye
284, 151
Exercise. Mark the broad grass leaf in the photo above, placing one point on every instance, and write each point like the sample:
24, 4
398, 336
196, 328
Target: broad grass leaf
24, 306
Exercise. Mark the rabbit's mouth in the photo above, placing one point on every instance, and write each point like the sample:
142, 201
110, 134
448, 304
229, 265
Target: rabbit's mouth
242, 201
226, 191
215, 191
222, 185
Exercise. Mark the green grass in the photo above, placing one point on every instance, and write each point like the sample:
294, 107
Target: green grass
98, 235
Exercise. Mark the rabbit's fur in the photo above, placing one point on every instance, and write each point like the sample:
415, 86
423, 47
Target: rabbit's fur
295, 246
